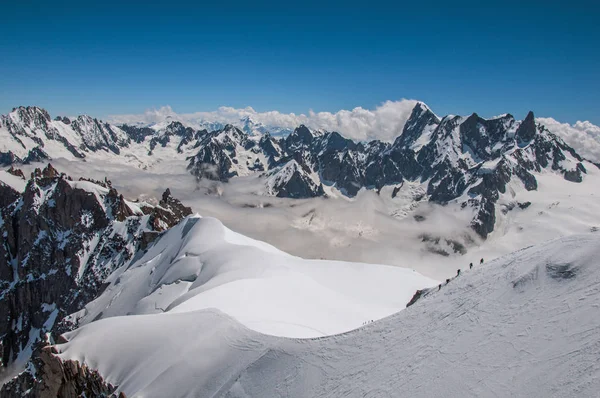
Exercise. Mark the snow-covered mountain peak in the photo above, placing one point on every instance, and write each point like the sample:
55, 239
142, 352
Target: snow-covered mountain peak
293, 180
30, 116
300, 137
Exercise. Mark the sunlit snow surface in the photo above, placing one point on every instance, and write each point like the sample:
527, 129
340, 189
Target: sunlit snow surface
201, 264
524, 325
16, 183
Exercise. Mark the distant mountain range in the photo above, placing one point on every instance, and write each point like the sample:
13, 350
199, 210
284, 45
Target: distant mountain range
467, 160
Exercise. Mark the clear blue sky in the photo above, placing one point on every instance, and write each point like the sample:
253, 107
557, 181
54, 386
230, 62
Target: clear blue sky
459, 57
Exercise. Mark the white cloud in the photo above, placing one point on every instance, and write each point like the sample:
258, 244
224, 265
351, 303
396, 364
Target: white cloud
385, 122
584, 137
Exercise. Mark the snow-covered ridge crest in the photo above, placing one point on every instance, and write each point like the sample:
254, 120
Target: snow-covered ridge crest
201, 264
523, 325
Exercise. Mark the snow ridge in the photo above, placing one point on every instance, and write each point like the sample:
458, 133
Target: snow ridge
201, 264
525, 325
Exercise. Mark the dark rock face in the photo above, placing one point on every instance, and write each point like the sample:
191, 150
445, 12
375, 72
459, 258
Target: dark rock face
575, 175
293, 181
216, 158
61, 239
7, 195
137, 134
61, 379
8, 158
37, 154
414, 298
301, 137
16, 172
168, 213
527, 128
421, 118
420, 294
269, 147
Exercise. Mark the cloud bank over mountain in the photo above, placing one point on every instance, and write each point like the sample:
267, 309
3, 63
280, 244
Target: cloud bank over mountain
584, 137
385, 122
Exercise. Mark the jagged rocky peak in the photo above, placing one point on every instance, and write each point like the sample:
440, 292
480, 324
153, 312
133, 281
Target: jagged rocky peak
335, 142
176, 209
97, 135
63, 119
61, 239
480, 137
30, 116
269, 146
229, 137
527, 129
136, 133
421, 120
60, 378
300, 137
231, 129
249, 126
293, 180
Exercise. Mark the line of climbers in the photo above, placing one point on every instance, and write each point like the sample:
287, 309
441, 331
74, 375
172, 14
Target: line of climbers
458, 273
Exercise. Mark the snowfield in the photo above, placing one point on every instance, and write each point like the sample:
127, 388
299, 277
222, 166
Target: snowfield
523, 325
201, 264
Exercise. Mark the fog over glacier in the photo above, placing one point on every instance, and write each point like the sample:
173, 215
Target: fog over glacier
360, 229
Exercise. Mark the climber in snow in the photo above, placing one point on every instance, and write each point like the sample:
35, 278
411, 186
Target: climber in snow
458, 272
481, 261
440, 286
471, 266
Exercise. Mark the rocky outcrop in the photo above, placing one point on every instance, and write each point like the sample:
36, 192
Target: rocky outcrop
61, 379
414, 298
164, 216
16, 172
7, 195
62, 238
175, 208
293, 181
527, 129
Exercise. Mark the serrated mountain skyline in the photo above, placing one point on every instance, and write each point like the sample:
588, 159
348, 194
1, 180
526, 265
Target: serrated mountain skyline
467, 160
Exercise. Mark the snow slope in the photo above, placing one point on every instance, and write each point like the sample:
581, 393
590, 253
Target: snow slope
524, 325
16, 183
201, 264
